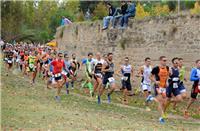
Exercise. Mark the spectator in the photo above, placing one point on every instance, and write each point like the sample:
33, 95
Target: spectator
107, 19
119, 13
65, 21
88, 15
130, 12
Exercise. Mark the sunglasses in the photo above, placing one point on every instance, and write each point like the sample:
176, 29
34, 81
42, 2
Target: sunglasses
164, 60
60, 56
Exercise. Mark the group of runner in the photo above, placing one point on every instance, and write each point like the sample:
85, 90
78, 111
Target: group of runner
58, 70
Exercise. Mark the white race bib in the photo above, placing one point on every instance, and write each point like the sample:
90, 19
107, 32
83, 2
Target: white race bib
124, 78
57, 75
162, 90
175, 79
199, 87
175, 85
31, 65
9, 61
111, 79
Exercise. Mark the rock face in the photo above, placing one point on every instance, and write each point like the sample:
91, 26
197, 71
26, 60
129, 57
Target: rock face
172, 36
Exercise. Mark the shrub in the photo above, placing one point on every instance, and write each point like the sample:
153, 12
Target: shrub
196, 9
140, 13
172, 5
160, 10
80, 16
100, 11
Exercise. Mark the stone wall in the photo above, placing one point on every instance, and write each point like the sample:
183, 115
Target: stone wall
172, 36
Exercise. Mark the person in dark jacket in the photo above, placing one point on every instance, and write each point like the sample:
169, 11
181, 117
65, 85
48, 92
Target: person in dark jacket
130, 12
119, 13
108, 18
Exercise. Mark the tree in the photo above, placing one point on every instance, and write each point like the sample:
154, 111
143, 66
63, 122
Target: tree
100, 11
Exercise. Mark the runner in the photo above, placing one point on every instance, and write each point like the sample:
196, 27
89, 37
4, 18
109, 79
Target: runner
46, 72
25, 64
58, 65
195, 77
145, 72
77, 64
32, 66
89, 68
9, 59
181, 86
66, 71
159, 76
108, 70
127, 73
97, 72
173, 84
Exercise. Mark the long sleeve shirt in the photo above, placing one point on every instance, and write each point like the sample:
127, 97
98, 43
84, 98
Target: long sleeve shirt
195, 74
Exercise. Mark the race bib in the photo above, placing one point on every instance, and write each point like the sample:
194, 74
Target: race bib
199, 87
9, 61
31, 65
57, 75
175, 85
162, 90
111, 79
125, 78
175, 79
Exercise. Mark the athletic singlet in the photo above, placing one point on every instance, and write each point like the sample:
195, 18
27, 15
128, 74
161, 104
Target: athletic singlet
163, 76
26, 57
182, 73
110, 67
126, 71
146, 74
76, 63
31, 59
98, 66
174, 77
89, 66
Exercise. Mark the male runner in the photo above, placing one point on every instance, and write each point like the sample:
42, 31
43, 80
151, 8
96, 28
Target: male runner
32, 65
195, 77
58, 65
108, 70
159, 76
173, 84
89, 67
127, 73
145, 72
77, 64
182, 78
97, 72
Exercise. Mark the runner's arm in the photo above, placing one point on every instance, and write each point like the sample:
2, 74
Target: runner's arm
140, 72
132, 74
104, 68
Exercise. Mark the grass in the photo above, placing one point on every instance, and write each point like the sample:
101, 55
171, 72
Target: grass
34, 108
